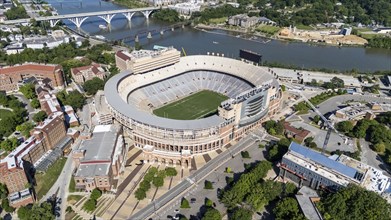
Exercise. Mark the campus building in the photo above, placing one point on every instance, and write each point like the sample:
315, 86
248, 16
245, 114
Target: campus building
252, 93
140, 61
85, 73
10, 76
317, 171
100, 159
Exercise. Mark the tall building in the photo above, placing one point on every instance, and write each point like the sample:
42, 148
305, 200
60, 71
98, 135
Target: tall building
141, 61
100, 159
10, 76
52, 130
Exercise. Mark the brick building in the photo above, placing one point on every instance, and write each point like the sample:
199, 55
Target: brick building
85, 73
10, 76
100, 159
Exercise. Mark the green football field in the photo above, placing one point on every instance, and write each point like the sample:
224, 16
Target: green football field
197, 105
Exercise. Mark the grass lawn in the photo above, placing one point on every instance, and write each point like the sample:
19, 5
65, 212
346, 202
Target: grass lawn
46, 180
4, 113
217, 20
304, 27
72, 199
72, 185
197, 105
268, 29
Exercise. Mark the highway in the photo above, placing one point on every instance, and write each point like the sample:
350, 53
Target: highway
196, 177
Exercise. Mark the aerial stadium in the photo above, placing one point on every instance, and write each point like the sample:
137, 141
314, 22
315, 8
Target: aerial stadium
175, 107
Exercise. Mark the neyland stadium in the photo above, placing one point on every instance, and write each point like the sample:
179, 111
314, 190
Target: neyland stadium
175, 107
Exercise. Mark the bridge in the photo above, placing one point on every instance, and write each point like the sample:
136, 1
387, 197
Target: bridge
78, 19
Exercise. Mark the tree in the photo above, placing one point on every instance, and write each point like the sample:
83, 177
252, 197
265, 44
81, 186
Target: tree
158, 181
344, 126
35, 103
90, 205
212, 214
9, 144
241, 214
316, 119
379, 147
96, 194
93, 85
75, 99
171, 171
3, 191
6, 206
25, 129
40, 116
28, 90
145, 185
208, 202
245, 154
23, 213
288, 208
185, 204
140, 194
208, 185
228, 170
354, 202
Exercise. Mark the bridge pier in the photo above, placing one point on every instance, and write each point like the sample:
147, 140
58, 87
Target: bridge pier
161, 32
107, 18
136, 39
147, 13
78, 21
149, 36
129, 15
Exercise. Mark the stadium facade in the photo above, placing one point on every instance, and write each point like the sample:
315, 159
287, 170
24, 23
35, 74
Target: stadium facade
253, 95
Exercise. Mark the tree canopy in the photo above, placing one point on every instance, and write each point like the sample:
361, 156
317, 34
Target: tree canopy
36, 212
92, 86
167, 15
73, 98
40, 116
288, 208
212, 214
28, 90
354, 202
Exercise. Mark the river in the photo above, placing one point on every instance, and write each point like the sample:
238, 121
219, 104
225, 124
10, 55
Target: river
199, 42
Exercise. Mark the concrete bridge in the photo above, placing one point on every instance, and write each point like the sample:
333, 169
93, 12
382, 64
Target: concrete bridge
79, 18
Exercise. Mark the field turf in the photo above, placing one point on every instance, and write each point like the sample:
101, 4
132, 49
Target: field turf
197, 105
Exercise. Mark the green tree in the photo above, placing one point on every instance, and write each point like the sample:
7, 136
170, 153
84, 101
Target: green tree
23, 213
185, 204
28, 90
245, 154
9, 144
145, 185
25, 129
208, 202
344, 126
6, 206
40, 116
167, 15
241, 214
212, 214
208, 185
35, 103
228, 170
354, 202
288, 208
380, 147
3, 191
93, 85
316, 119
75, 99
96, 194
158, 181
140, 194
90, 205
171, 171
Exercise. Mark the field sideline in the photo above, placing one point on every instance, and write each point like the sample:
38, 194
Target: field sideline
197, 105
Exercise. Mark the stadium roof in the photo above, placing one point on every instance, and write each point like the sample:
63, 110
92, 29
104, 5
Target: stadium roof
323, 160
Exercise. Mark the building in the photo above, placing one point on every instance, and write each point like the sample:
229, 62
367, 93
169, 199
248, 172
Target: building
292, 132
141, 61
70, 116
52, 131
102, 109
306, 197
186, 8
85, 73
100, 159
317, 171
384, 30
10, 76
253, 95
243, 20
49, 103
16, 181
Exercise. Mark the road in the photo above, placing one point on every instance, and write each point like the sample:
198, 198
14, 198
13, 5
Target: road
370, 157
62, 184
192, 180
